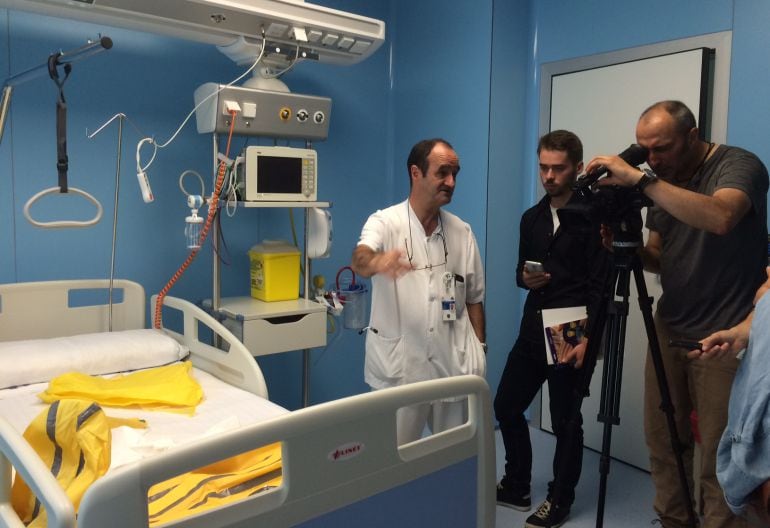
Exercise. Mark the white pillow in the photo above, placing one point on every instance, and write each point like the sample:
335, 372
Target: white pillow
39, 360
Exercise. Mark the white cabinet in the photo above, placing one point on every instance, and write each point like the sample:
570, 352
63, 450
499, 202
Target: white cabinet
278, 326
273, 327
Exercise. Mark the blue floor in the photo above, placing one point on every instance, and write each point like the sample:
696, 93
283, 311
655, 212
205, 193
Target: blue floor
629, 496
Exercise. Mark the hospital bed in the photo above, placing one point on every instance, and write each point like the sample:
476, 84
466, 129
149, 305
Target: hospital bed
341, 465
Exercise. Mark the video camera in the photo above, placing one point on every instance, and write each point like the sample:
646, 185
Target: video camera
612, 205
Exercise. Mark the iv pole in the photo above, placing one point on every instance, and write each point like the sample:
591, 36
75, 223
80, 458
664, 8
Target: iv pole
120, 117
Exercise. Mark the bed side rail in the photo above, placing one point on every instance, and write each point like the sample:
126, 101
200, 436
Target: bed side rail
38, 310
17, 453
235, 366
313, 482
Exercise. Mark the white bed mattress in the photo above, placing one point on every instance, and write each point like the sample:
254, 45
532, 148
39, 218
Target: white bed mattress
224, 408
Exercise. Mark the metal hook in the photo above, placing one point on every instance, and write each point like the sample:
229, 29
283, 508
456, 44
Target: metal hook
119, 115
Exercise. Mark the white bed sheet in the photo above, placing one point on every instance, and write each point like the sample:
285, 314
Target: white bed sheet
223, 409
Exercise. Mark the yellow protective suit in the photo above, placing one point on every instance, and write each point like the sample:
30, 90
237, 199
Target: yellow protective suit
168, 388
215, 485
73, 439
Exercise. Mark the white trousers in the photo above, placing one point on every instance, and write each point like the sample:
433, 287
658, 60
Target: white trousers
438, 416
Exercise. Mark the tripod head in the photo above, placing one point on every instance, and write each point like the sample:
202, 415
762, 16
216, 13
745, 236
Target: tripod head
612, 205
619, 208
623, 206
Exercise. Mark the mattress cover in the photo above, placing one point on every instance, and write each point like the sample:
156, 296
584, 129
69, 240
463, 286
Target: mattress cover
224, 408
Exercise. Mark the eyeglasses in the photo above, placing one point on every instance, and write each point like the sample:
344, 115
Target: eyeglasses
410, 253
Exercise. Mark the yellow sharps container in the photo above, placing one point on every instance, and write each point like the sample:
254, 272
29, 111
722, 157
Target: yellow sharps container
274, 271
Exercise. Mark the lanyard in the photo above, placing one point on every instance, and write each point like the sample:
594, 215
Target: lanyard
62, 162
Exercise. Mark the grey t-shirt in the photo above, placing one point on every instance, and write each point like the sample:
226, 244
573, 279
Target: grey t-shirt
709, 280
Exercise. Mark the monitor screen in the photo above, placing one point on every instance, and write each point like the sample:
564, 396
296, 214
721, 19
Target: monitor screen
279, 175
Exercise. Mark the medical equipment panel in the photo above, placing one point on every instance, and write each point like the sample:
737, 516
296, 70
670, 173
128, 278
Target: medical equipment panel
290, 28
261, 112
277, 174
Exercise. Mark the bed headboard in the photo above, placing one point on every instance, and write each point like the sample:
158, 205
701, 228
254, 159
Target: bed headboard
36, 310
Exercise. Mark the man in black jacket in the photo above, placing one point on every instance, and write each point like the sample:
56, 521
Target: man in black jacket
572, 265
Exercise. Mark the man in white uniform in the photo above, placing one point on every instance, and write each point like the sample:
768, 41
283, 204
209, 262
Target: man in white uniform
427, 317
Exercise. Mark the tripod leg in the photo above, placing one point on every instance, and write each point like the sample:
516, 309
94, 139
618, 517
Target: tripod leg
645, 303
609, 405
608, 319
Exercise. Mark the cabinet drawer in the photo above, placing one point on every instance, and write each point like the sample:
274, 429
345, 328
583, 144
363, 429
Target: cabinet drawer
271, 335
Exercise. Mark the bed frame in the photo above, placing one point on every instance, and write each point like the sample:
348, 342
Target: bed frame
340, 456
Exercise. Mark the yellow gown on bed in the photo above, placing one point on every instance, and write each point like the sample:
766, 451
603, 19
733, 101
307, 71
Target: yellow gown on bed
73, 437
168, 388
215, 485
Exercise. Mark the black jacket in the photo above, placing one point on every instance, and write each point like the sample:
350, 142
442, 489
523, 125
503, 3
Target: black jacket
575, 258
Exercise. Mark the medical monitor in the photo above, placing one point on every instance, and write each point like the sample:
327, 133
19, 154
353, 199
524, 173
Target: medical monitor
278, 174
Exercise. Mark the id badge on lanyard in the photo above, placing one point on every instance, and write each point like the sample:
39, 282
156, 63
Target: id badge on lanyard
448, 302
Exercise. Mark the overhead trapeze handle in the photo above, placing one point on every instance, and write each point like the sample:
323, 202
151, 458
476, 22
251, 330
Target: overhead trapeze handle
56, 224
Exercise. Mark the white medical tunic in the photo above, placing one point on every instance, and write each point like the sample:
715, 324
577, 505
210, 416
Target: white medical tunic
408, 339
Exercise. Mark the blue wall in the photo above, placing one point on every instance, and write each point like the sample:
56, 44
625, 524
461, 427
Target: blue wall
7, 217
150, 79
441, 88
749, 108
467, 71
509, 180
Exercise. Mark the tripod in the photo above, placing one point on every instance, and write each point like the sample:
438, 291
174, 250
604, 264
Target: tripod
611, 316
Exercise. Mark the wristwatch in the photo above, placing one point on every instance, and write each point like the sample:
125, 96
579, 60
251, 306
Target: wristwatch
648, 177
484, 347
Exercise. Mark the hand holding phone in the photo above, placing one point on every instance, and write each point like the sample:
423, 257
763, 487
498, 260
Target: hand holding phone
683, 343
532, 267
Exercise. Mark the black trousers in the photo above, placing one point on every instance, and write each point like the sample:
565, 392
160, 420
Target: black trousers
525, 372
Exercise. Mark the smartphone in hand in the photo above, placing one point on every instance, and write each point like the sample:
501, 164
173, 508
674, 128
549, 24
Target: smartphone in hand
682, 343
531, 266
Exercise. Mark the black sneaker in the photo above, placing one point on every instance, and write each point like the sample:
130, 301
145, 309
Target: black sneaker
548, 515
506, 497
